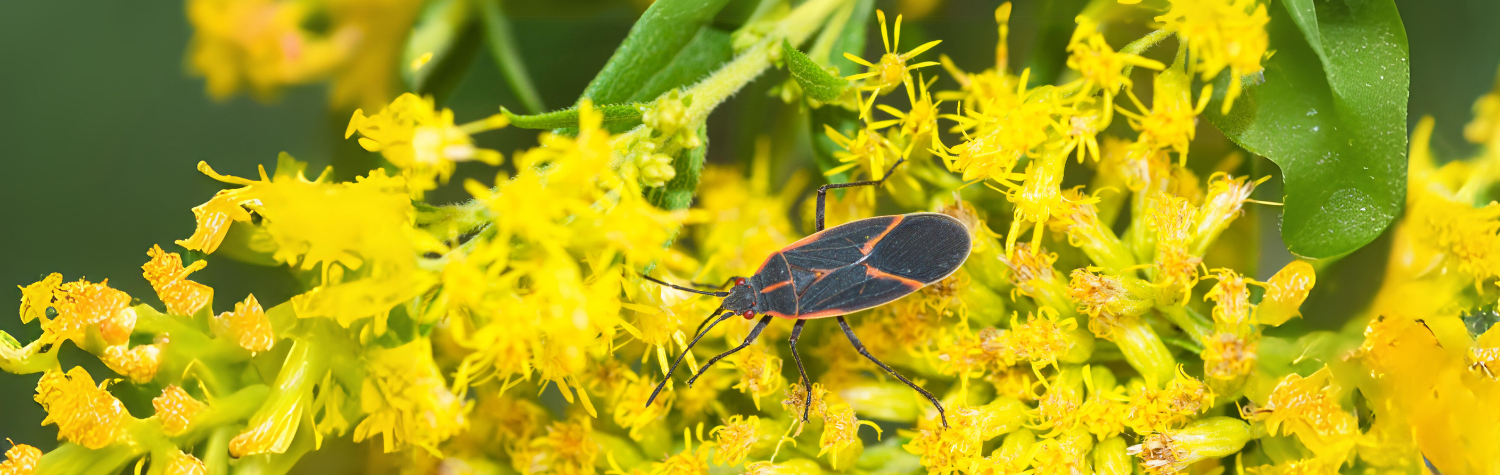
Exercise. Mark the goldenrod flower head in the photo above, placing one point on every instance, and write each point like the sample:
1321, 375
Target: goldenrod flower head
1222, 34
1012, 458
1043, 338
85, 414
1223, 203
789, 467
1285, 293
1308, 408
1485, 128
1031, 268
83, 305
1297, 467
568, 448
1228, 356
1065, 454
185, 464
1104, 416
1484, 356
20, 459
1058, 407
176, 409
35, 298
1171, 451
1231, 301
259, 44
919, 121
138, 363
1464, 233
689, 461
1108, 300
169, 278
631, 411
735, 438
247, 326
1156, 410
892, 69
796, 401
1172, 121
1098, 64
421, 140
760, 372
1173, 218
867, 146
408, 400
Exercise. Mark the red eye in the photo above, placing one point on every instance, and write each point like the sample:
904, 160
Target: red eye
739, 281
748, 314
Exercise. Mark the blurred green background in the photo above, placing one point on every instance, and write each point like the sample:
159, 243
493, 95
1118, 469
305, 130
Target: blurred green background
102, 127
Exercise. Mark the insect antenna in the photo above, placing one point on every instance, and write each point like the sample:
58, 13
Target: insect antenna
685, 351
754, 332
861, 348
686, 289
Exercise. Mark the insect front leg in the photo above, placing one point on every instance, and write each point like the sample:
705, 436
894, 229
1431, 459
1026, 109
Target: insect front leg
861, 348
807, 383
754, 332
823, 190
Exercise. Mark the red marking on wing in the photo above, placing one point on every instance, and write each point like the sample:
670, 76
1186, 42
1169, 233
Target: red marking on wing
780, 315
775, 286
874, 273
871, 244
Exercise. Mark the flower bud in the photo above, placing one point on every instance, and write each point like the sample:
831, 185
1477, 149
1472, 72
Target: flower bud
1173, 450
138, 363
175, 408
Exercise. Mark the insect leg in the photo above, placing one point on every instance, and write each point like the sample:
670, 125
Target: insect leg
807, 383
685, 289
754, 332
861, 348
823, 190
685, 352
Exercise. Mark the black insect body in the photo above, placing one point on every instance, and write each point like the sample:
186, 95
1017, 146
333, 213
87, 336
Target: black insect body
834, 272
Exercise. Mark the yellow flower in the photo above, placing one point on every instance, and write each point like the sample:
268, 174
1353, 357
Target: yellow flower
20, 459
186, 464
1098, 64
381, 27
138, 363
760, 372
85, 414
1173, 218
1173, 450
260, 45
919, 121
1065, 454
1308, 408
1222, 34
82, 305
421, 140
1222, 203
735, 438
1043, 338
408, 400
1172, 121
840, 429
892, 69
1156, 410
247, 326
868, 145
1285, 293
1231, 301
35, 298
632, 412
568, 448
176, 409
169, 278
1229, 356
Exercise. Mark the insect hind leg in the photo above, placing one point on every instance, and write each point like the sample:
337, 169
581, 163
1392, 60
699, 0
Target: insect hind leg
754, 332
861, 348
807, 383
823, 190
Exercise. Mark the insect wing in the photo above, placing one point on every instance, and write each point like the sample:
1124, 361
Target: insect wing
925, 247
838, 246
851, 289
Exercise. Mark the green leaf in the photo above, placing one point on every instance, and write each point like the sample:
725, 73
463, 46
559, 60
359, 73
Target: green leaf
655, 40
703, 55
817, 83
678, 193
566, 118
1332, 114
448, 30
502, 46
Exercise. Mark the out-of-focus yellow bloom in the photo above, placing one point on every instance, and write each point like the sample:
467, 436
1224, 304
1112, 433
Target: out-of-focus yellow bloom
632, 412
169, 278
760, 372
176, 409
1221, 34
408, 400
422, 141
260, 45
892, 69
20, 459
568, 448
247, 326
85, 414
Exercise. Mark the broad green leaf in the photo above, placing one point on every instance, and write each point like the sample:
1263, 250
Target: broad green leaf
655, 40
1331, 113
502, 45
448, 30
678, 193
817, 83
703, 55
568, 118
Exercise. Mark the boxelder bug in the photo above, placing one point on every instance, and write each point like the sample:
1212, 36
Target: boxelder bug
851, 267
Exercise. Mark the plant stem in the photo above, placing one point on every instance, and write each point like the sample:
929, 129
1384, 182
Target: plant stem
795, 28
